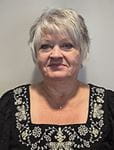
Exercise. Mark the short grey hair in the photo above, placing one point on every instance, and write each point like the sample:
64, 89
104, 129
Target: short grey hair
62, 21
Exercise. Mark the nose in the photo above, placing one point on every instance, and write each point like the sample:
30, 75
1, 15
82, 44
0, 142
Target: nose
56, 52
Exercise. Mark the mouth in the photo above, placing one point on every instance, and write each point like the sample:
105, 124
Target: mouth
56, 65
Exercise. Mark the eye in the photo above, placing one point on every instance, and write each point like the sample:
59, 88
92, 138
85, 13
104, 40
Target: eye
66, 46
45, 46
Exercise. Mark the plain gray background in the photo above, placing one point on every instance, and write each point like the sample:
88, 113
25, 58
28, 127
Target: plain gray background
16, 18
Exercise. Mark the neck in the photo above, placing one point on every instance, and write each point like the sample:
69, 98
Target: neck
59, 92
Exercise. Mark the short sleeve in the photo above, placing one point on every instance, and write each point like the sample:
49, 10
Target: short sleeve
5, 120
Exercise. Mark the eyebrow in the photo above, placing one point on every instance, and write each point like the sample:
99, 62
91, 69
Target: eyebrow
62, 40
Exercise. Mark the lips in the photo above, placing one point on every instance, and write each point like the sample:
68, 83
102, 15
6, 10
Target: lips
55, 64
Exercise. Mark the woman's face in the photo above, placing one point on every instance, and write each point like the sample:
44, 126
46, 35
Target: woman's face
58, 58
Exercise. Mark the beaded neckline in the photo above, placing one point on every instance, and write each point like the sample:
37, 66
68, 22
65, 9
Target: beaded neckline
45, 136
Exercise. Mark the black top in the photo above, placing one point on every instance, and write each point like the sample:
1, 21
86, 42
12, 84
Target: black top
18, 133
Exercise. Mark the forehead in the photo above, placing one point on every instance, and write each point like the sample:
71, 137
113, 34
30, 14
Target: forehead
55, 37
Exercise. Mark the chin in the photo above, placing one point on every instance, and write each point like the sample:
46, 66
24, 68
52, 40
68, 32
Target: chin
57, 76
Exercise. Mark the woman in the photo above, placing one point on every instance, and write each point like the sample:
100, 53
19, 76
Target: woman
60, 112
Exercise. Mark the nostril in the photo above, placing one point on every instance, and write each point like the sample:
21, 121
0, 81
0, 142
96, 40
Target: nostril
56, 60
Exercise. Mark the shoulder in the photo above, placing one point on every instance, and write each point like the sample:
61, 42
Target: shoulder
16, 90
7, 99
103, 89
106, 94
97, 90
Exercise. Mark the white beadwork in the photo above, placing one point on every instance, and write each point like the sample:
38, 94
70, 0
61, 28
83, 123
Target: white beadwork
59, 137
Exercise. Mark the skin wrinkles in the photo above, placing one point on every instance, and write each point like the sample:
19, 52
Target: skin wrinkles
57, 62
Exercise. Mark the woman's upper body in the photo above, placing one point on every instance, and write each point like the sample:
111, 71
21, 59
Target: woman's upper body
59, 113
19, 129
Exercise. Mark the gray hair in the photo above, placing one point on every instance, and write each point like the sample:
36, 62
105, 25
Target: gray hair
61, 21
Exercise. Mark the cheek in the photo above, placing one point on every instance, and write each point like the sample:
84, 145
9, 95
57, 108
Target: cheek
76, 60
41, 61
76, 65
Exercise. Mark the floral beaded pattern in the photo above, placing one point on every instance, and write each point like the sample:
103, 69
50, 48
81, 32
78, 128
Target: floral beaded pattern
59, 137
